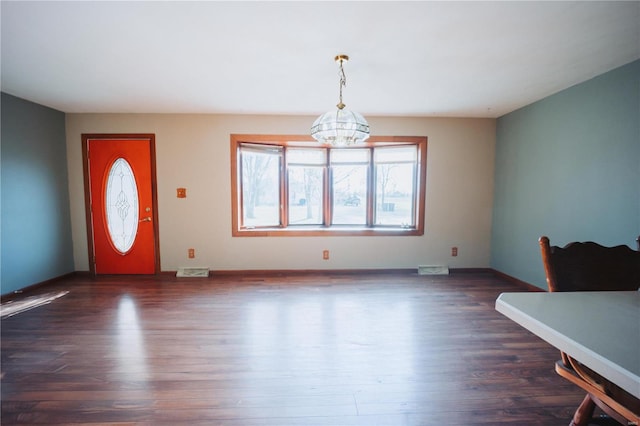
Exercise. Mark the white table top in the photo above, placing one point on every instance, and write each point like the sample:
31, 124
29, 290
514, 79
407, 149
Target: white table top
601, 329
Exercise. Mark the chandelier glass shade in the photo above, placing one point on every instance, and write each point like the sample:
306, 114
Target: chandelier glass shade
340, 127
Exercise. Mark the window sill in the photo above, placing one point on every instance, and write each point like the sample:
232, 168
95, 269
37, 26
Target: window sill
347, 231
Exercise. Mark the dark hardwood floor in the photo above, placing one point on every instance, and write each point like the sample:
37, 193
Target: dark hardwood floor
332, 349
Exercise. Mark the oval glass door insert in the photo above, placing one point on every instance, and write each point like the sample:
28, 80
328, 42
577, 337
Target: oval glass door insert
121, 205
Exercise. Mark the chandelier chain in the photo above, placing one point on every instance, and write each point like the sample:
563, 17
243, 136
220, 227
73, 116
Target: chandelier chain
343, 83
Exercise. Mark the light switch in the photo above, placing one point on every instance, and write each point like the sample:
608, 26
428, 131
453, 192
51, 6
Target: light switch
182, 192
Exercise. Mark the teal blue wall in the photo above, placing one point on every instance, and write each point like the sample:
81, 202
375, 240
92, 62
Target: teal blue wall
35, 230
568, 167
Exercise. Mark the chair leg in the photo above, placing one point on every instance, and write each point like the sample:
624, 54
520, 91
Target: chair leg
584, 413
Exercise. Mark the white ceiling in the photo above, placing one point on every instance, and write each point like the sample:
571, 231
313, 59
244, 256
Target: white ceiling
417, 58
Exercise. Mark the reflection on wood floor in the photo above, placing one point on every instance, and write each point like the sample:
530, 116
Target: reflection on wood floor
301, 349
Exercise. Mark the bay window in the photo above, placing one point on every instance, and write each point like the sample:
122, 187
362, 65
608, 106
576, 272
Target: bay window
291, 185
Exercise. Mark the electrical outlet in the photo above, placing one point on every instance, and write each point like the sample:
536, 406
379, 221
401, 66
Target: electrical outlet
454, 251
192, 253
325, 254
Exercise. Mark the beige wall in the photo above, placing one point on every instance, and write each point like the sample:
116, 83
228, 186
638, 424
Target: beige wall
192, 151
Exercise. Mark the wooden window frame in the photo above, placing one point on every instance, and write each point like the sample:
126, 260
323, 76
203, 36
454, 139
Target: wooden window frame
336, 230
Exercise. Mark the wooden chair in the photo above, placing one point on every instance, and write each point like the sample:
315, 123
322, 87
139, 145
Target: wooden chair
588, 266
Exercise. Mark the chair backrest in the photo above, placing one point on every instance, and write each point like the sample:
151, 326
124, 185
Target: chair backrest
588, 266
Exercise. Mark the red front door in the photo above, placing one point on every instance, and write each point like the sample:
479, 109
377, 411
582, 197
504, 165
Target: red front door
122, 200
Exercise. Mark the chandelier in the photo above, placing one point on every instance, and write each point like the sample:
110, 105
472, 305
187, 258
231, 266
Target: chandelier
340, 127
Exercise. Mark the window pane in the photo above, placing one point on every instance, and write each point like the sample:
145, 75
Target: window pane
121, 205
396, 154
260, 187
305, 195
349, 156
306, 156
349, 186
395, 194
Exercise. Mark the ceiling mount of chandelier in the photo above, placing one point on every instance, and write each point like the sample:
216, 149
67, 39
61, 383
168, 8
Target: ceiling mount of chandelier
340, 127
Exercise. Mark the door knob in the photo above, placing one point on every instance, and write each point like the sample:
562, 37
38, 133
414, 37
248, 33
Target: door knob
146, 219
